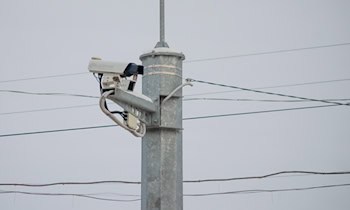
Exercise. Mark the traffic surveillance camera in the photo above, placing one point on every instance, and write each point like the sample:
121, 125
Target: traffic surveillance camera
99, 66
114, 74
117, 81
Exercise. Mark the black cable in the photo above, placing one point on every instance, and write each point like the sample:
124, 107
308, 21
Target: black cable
265, 53
99, 80
268, 93
188, 181
69, 194
267, 191
188, 118
121, 113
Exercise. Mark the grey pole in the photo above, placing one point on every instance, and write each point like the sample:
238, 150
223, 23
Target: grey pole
162, 21
162, 42
161, 187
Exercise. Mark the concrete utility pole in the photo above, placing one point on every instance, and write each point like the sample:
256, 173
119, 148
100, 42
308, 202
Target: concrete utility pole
161, 187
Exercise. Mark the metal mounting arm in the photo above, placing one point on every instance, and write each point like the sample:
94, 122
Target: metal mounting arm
135, 100
139, 105
175, 90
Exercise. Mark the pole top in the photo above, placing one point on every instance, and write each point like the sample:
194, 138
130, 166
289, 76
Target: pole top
163, 51
162, 44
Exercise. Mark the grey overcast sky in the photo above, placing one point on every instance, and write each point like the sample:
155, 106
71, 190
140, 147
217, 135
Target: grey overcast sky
42, 38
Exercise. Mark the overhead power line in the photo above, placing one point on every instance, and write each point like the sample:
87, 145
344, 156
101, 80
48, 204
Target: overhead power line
268, 93
205, 93
71, 183
51, 109
267, 190
188, 118
253, 191
188, 181
271, 87
187, 99
267, 52
58, 130
49, 94
68, 194
270, 175
48, 109
258, 100
43, 77
199, 60
256, 112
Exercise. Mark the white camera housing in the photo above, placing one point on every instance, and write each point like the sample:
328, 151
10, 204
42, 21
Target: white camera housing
97, 65
102, 67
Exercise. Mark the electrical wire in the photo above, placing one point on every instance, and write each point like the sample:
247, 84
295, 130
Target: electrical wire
258, 100
208, 93
254, 191
71, 183
48, 109
197, 94
57, 130
188, 118
256, 112
49, 94
191, 99
68, 194
187, 99
267, 52
270, 175
271, 87
268, 93
43, 77
268, 191
277, 174
205, 93
199, 60
114, 194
